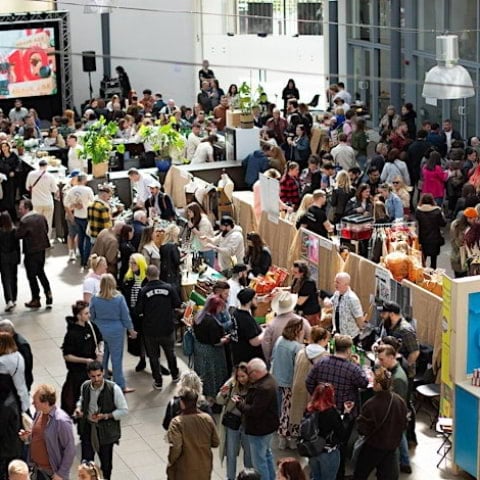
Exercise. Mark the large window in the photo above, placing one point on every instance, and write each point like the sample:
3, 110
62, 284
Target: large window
359, 19
463, 22
280, 17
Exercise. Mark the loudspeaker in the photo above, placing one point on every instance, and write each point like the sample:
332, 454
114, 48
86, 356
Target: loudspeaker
88, 61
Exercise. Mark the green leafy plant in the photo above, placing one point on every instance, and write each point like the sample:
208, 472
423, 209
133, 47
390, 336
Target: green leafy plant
248, 99
165, 140
19, 141
97, 142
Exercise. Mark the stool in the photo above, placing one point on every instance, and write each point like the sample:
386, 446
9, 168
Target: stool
428, 392
444, 427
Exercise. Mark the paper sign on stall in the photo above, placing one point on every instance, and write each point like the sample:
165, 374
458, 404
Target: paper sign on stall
270, 197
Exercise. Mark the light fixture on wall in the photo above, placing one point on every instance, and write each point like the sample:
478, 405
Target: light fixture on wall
447, 80
98, 6
262, 34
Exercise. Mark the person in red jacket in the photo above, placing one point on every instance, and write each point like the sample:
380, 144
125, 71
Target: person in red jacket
290, 185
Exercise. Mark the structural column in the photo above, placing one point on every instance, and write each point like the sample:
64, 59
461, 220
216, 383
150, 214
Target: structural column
395, 54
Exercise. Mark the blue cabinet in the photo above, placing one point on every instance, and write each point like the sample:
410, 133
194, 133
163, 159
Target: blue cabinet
466, 429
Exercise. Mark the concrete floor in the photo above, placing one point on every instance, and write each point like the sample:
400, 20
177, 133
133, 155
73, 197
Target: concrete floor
143, 450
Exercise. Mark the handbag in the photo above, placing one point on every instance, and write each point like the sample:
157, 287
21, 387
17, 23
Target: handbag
229, 419
188, 345
232, 421
98, 346
361, 440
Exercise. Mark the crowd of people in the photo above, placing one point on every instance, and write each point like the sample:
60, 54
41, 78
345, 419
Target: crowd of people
269, 382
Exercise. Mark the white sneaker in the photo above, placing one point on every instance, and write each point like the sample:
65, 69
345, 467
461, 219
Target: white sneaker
282, 443
10, 306
71, 255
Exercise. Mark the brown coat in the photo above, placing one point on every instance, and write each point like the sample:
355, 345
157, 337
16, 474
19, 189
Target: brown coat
106, 245
300, 395
33, 230
191, 438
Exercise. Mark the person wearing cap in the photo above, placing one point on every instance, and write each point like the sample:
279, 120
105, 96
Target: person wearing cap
395, 325
75, 162
348, 315
159, 204
99, 214
237, 282
33, 230
229, 243
77, 200
42, 185
393, 203
141, 183
246, 334
283, 304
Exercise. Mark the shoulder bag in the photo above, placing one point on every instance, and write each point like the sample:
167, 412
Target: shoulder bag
362, 439
30, 190
229, 419
98, 346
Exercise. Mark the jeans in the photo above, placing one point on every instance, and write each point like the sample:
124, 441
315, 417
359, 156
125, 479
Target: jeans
235, 438
262, 458
34, 265
404, 456
152, 348
114, 340
325, 466
8, 271
105, 454
84, 245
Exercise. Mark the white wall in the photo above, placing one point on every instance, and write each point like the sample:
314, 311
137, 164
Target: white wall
139, 36
270, 62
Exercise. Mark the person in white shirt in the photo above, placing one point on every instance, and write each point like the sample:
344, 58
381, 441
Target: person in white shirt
42, 185
75, 162
18, 113
77, 199
343, 154
142, 185
204, 151
193, 140
342, 93
238, 282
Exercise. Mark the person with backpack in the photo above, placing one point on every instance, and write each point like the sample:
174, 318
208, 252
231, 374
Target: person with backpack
322, 431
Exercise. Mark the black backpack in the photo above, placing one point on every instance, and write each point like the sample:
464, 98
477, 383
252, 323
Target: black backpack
310, 443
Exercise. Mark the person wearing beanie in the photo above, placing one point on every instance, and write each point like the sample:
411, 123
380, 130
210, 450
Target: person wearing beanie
246, 333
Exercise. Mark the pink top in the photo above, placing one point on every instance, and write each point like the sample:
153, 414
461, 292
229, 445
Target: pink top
434, 181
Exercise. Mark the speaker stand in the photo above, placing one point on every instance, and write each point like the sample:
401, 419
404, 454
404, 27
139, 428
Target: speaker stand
90, 84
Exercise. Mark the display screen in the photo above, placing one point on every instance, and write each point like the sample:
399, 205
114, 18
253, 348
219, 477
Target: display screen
27, 63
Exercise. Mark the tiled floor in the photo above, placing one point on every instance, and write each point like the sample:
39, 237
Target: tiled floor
143, 450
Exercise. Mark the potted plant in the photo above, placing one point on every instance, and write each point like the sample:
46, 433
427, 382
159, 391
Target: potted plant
246, 102
166, 142
97, 145
19, 144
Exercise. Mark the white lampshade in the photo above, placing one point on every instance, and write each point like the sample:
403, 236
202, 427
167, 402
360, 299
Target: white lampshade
98, 6
448, 83
448, 80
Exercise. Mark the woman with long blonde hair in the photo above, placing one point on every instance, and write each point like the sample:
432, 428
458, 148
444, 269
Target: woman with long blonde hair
109, 311
305, 204
170, 257
341, 195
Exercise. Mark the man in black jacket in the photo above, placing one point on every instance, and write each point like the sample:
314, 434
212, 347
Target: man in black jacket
155, 306
260, 410
415, 152
23, 347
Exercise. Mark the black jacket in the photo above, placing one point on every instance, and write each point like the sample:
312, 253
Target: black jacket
415, 153
430, 218
155, 305
170, 264
260, 408
26, 352
339, 201
164, 204
261, 266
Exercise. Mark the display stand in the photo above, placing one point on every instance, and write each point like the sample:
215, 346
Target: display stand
460, 356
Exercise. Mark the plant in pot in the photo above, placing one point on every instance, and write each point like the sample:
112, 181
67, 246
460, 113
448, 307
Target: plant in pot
166, 141
97, 145
19, 144
247, 102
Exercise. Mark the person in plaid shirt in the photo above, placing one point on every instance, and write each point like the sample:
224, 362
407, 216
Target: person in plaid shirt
99, 213
290, 185
343, 372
